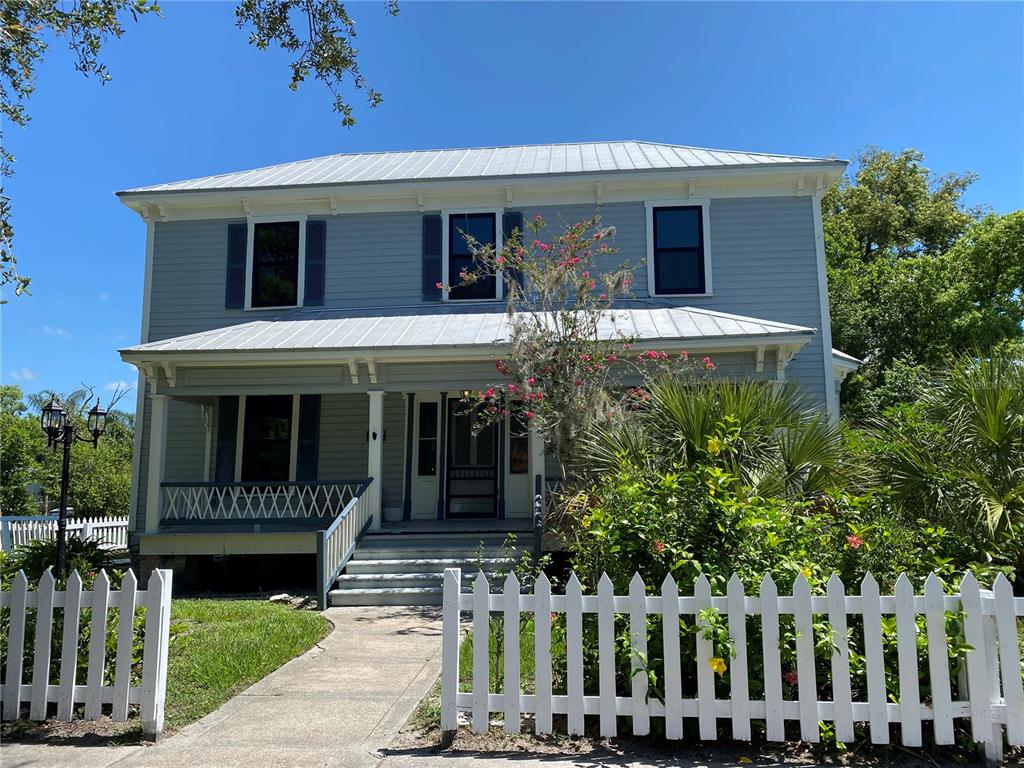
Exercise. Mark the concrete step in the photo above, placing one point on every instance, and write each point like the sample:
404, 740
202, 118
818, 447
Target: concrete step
374, 551
428, 565
389, 596
390, 580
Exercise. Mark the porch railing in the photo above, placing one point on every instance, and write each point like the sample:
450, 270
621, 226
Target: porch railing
336, 543
197, 502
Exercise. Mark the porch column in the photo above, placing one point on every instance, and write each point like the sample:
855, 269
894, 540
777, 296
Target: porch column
442, 457
409, 437
375, 455
157, 457
536, 461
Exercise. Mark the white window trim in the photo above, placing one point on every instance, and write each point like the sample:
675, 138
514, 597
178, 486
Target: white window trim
499, 284
293, 451
300, 288
705, 205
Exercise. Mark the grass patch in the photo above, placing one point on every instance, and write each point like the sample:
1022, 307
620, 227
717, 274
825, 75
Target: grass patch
428, 714
221, 647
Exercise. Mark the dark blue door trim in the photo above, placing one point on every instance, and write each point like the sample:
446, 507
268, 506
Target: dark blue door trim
442, 457
407, 501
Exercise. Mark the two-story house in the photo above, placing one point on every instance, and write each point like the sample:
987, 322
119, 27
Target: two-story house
301, 369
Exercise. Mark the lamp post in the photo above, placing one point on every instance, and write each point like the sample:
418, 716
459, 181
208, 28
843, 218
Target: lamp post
58, 428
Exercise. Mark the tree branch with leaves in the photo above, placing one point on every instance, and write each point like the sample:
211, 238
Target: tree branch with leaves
321, 32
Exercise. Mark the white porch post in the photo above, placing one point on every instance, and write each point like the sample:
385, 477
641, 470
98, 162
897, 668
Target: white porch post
375, 455
157, 456
536, 461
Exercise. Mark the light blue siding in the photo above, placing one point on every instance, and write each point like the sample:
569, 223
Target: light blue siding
763, 265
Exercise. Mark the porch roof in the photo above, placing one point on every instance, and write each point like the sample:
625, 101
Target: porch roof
478, 327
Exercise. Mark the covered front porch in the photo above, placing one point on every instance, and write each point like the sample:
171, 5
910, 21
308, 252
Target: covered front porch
300, 436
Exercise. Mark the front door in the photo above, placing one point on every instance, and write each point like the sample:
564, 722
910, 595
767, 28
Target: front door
472, 466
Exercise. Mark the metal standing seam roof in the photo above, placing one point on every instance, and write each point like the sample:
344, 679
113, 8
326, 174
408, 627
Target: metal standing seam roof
409, 329
483, 162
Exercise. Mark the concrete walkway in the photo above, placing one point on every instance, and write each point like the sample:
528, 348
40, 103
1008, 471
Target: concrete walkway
336, 705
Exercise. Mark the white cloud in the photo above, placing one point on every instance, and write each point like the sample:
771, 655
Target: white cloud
104, 296
23, 374
113, 386
50, 330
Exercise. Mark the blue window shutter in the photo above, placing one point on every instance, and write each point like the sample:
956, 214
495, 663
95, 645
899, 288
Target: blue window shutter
227, 438
309, 438
510, 221
431, 257
234, 292
316, 263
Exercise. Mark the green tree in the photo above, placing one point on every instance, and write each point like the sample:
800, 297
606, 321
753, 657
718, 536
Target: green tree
319, 32
100, 477
915, 276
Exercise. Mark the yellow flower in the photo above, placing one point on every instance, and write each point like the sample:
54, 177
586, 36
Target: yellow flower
806, 571
717, 665
585, 522
714, 446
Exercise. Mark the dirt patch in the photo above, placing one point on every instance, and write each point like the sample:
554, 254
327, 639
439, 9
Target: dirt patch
85, 733
655, 751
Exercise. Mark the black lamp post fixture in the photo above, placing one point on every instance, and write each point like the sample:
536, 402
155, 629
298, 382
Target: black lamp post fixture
58, 428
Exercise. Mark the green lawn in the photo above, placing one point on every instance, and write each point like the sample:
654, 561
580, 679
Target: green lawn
221, 647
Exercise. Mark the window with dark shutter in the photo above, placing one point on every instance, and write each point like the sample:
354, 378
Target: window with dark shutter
481, 228
275, 264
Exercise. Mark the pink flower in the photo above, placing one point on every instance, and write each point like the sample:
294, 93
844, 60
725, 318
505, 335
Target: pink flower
538, 217
659, 547
854, 542
612, 358
584, 358
652, 355
685, 355
532, 380
603, 297
579, 382
585, 275
500, 260
489, 392
530, 414
708, 364
513, 388
439, 286
791, 677
544, 247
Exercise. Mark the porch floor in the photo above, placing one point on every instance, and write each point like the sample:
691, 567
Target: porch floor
444, 527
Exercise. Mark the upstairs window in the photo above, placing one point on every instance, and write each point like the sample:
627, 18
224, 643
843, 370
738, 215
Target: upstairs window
482, 227
275, 264
678, 258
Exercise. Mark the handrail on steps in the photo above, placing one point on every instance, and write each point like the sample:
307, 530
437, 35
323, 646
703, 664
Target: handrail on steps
336, 543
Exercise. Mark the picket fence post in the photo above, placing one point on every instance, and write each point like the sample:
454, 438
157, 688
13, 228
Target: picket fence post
450, 637
154, 657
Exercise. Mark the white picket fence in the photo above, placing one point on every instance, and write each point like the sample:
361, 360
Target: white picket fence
109, 532
66, 691
991, 696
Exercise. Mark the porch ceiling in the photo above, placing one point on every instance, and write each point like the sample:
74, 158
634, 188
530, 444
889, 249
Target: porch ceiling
410, 331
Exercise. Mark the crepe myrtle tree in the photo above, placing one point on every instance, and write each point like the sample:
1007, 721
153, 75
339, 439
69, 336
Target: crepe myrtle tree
568, 366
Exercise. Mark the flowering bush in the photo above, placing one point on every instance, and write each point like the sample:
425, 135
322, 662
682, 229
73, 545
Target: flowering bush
567, 365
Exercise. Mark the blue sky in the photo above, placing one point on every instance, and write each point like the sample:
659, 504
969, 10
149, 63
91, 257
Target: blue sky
190, 97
